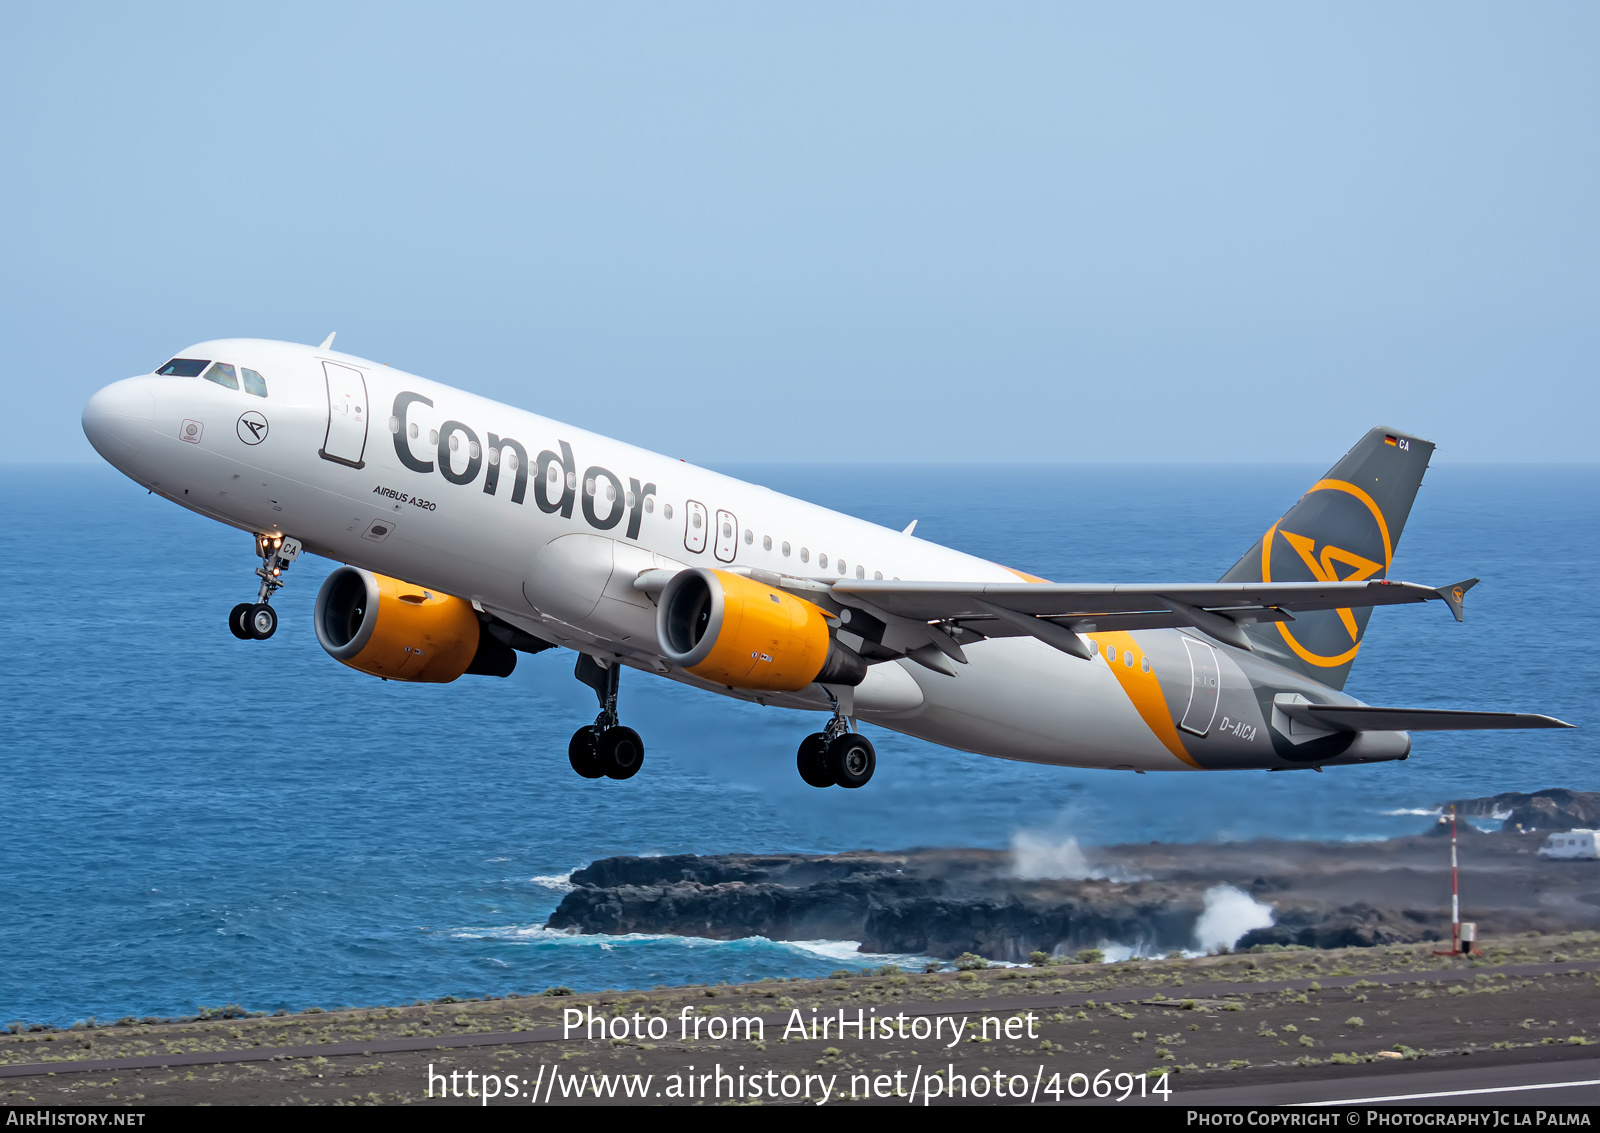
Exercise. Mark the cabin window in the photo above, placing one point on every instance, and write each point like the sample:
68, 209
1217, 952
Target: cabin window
786, 550
695, 519
861, 572
822, 561
841, 566
805, 554
413, 430
1144, 664
749, 537
1111, 654
223, 375
650, 505
1127, 659
666, 510
184, 368
766, 542
433, 436
877, 575
255, 384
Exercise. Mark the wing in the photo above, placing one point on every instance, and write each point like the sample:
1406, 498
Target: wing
1057, 613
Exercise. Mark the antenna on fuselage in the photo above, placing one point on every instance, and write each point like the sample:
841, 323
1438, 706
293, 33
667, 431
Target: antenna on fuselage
327, 342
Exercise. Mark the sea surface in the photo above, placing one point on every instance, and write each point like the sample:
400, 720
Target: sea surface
190, 820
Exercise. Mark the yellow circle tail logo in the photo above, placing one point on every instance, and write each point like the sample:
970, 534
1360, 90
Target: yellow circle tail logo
1341, 536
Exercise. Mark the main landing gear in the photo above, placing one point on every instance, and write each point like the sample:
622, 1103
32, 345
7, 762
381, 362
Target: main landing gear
836, 756
604, 748
258, 620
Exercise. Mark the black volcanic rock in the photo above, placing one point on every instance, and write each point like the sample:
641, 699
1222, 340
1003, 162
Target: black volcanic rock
1009, 926
946, 902
832, 909
1554, 808
1351, 926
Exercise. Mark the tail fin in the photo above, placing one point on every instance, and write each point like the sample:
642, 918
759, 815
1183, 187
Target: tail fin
1346, 528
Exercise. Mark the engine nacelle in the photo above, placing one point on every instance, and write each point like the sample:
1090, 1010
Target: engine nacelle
402, 632
725, 628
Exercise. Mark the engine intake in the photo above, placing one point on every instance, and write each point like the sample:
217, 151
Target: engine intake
392, 629
726, 628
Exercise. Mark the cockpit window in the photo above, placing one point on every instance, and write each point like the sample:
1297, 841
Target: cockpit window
222, 373
253, 382
184, 367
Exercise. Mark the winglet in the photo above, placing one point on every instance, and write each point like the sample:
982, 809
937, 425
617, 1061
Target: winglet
1455, 595
327, 342
910, 527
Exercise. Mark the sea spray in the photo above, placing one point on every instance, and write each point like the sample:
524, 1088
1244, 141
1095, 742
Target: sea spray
1229, 914
1038, 857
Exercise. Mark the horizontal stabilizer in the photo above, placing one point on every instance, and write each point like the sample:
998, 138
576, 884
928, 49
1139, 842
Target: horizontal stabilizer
1362, 718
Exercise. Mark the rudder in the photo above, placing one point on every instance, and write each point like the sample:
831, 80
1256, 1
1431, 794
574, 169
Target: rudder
1344, 529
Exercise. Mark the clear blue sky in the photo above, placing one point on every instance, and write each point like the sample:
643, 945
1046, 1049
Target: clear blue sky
831, 232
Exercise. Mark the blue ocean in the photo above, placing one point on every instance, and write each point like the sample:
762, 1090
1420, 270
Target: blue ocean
192, 820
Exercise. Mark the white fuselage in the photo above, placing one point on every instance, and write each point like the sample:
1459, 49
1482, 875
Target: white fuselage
362, 469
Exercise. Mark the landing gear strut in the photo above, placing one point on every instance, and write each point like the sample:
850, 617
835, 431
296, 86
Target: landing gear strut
836, 756
258, 620
604, 748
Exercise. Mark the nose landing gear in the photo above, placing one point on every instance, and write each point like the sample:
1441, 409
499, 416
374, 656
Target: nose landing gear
258, 620
604, 748
836, 756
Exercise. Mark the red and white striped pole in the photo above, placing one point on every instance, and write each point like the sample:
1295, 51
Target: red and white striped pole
1455, 888
1455, 893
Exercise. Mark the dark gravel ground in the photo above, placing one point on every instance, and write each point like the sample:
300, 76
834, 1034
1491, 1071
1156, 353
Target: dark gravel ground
1216, 1021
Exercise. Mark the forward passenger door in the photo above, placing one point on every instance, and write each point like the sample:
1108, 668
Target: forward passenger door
346, 439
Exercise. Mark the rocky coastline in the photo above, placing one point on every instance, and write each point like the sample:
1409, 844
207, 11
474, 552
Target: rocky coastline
1154, 898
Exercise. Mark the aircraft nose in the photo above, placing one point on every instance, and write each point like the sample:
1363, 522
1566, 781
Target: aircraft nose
117, 419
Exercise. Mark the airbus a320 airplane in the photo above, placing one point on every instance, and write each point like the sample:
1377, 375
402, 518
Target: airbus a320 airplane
471, 531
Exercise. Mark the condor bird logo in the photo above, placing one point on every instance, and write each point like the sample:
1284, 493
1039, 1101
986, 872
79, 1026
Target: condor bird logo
1339, 535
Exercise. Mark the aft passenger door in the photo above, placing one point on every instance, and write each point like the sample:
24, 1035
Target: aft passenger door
346, 439
1205, 687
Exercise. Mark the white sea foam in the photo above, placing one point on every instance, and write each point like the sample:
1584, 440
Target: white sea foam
1229, 914
843, 952
558, 882
1425, 811
848, 951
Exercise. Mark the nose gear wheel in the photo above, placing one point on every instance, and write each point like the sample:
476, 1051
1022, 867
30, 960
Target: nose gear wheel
258, 620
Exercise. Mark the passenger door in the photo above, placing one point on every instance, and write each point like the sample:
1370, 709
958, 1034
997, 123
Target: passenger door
346, 439
1205, 687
